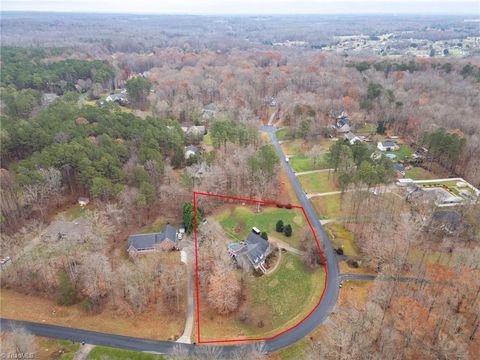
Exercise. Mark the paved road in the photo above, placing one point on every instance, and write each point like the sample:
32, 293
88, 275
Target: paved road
317, 317
330, 296
382, 278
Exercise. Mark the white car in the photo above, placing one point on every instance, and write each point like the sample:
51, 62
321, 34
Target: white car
286, 159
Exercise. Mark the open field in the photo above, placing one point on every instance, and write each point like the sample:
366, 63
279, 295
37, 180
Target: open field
320, 182
328, 206
304, 163
238, 222
418, 173
150, 324
273, 303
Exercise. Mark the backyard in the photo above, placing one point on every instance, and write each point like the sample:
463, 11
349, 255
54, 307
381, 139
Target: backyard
238, 222
418, 173
319, 182
402, 154
272, 303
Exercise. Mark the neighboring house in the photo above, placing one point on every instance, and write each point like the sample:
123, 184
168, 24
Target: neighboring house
145, 243
191, 150
352, 138
387, 145
342, 125
209, 111
400, 169
252, 252
120, 98
194, 133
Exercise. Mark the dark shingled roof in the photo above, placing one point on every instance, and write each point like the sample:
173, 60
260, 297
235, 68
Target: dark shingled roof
148, 241
255, 249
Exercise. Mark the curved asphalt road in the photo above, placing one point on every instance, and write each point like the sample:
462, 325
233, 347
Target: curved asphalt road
314, 320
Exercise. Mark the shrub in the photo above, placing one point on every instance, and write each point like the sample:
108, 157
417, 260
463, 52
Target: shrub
264, 235
288, 230
279, 227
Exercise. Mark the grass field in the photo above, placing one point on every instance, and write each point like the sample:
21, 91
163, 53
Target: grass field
106, 353
150, 324
327, 207
55, 349
207, 140
280, 290
403, 153
273, 298
343, 238
238, 222
418, 173
301, 163
367, 129
284, 134
319, 182
292, 147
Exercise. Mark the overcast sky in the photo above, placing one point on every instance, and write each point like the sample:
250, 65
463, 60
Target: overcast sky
469, 7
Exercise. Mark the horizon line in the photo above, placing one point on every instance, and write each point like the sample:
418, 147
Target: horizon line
245, 14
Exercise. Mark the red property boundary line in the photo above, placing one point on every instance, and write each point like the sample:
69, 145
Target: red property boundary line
197, 294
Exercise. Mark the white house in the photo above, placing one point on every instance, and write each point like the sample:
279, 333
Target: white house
387, 145
352, 138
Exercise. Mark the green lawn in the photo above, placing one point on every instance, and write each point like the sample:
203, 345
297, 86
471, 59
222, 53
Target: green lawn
327, 207
238, 222
284, 134
343, 238
319, 182
367, 129
291, 291
301, 163
207, 140
403, 153
50, 346
418, 173
292, 147
106, 353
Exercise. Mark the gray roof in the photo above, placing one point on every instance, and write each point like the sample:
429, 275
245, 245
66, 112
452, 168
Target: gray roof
255, 249
389, 143
399, 167
349, 136
148, 241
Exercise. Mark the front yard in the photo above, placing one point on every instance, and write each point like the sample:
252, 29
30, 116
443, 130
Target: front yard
319, 182
238, 222
301, 163
328, 206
